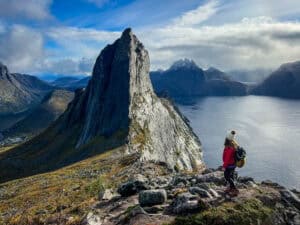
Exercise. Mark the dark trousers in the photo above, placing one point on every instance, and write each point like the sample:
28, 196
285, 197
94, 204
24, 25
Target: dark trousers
229, 176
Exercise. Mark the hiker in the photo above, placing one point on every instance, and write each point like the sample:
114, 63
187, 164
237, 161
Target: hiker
229, 162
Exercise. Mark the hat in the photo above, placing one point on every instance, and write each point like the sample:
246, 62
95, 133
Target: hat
231, 135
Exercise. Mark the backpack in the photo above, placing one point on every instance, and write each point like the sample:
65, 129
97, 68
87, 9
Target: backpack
240, 157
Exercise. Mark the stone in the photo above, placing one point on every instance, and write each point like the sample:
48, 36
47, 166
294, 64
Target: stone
93, 219
213, 192
187, 203
199, 191
245, 179
107, 194
290, 197
154, 209
132, 187
178, 179
215, 177
152, 197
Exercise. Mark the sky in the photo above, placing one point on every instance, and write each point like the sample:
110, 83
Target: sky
65, 37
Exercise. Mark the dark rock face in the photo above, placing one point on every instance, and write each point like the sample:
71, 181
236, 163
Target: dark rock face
284, 82
19, 92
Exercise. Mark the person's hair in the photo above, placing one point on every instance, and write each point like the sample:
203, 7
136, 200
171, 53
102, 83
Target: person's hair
228, 142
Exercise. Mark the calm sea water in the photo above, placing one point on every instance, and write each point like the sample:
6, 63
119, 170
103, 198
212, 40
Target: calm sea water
268, 128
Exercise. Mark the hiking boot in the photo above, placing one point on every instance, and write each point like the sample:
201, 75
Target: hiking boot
227, 190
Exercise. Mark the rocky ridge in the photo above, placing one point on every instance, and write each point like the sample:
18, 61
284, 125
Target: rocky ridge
194, 199
18, 92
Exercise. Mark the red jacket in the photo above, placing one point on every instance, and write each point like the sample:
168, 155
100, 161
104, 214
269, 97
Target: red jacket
228, 157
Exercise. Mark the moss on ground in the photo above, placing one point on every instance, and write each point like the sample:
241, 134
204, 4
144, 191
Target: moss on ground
63, 196
250, 212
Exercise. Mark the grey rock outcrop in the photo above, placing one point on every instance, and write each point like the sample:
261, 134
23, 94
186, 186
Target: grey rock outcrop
120, 98
152, 197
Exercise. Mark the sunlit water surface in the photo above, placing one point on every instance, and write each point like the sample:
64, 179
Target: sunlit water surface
268, 128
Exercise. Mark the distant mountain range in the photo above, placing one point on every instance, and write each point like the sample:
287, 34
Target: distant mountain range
51, 107
185, 79
284, 82
20, 92
71, 83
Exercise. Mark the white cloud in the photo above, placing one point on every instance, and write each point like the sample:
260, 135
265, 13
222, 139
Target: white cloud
68, 66
198, 15
248, 44
21, 48
76, 43
29, 9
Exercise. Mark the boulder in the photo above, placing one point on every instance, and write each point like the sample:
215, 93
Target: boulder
215, 177
186, 203
132, 187
199, 191
152, 197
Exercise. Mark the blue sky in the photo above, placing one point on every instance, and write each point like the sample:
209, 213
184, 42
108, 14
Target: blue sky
65, 37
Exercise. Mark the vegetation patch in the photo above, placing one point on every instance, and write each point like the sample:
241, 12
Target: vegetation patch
250, 212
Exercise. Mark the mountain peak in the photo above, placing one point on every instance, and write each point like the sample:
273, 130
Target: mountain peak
184, 64
4, 73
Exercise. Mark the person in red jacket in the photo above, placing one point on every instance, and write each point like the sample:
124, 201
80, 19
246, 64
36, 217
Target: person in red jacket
229, 162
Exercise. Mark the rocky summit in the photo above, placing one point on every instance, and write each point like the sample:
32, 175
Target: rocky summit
195, 199
120, 98
117, 109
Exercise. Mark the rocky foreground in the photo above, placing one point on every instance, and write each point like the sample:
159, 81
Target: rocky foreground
194, 199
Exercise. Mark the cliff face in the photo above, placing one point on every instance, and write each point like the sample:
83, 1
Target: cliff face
117, 109
120, 97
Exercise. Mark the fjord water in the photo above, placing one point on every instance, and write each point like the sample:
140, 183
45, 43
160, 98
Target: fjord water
268, 128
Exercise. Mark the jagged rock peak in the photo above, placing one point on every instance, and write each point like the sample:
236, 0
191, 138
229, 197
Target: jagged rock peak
184, 64
3, 71
120, 99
